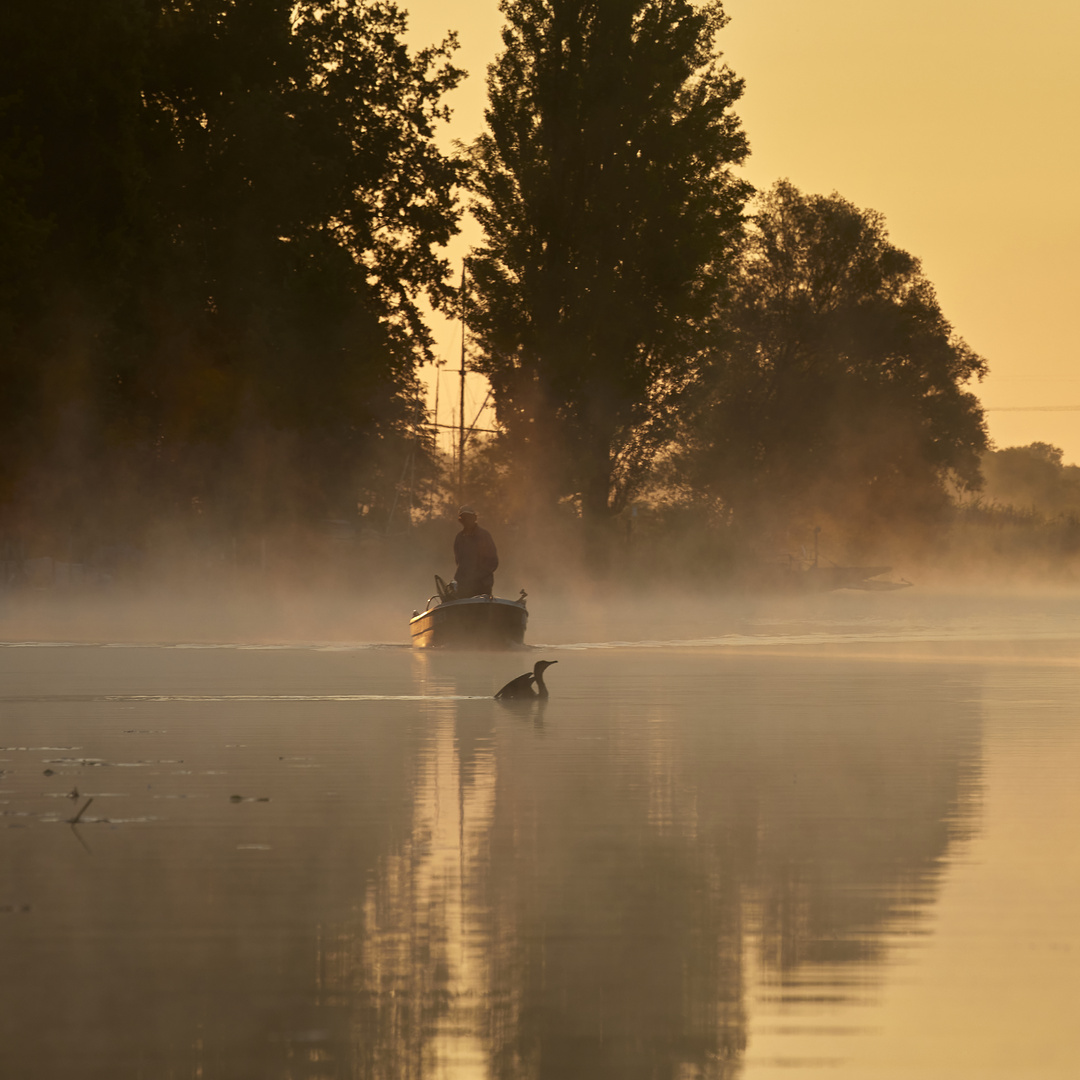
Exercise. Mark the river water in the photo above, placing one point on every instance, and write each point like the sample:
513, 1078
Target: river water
836, 837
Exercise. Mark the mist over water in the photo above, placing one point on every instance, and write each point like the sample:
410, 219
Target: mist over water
830, 835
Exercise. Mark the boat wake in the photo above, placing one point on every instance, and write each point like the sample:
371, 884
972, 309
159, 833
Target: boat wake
240, 646
238, 697
743, 641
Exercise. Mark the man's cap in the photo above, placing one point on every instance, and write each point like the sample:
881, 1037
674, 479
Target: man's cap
466, 510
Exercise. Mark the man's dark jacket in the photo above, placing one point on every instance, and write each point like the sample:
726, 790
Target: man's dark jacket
477, 561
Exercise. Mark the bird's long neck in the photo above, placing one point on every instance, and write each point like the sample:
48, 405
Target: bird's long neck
542, 690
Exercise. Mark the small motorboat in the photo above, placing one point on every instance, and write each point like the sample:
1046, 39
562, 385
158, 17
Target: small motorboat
790, 577
475, 622
794, 575
826, 578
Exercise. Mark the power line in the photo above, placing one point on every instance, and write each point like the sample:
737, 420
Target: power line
454, 427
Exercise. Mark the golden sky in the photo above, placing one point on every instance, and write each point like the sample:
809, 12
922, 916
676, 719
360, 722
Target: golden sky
959, 121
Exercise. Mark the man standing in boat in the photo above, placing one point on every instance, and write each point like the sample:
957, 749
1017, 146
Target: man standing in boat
477, 559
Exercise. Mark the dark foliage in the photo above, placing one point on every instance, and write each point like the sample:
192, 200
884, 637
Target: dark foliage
1032, 478
838, 388
610, 217
227, 212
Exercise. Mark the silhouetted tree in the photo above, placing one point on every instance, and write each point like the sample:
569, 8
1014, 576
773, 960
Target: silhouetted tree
22, 240
307, 200
244, 202
839, 386
610, 216
69, 170
1033, 477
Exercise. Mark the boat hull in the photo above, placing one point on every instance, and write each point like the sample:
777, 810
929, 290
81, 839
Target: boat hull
791, 578
480, 622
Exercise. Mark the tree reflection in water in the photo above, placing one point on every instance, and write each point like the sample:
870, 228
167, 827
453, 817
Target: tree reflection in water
579, 899
448, 887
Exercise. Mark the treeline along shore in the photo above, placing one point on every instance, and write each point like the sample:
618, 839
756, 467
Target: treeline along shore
222, 221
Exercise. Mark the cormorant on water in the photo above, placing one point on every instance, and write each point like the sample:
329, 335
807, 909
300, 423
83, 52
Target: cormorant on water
522, 686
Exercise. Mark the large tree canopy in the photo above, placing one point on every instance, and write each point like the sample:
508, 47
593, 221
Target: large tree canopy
610, 214
839, 387
232, 208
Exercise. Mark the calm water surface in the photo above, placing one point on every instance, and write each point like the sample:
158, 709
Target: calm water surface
833, 839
